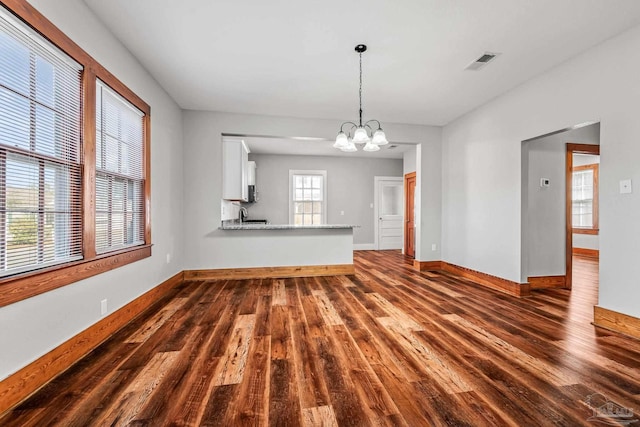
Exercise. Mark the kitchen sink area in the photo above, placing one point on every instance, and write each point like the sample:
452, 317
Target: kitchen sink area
255, 221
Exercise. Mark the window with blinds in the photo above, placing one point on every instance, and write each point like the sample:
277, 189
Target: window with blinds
119, 172
40, 153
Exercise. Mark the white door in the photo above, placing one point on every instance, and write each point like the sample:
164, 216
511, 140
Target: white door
388, 209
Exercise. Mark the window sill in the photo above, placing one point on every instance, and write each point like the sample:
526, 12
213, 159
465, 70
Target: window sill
593, 231
26, 285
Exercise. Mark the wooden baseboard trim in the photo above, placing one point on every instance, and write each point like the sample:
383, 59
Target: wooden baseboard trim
493, 282
427, 265
591, 253
270, 272
32, 377
617, 322
545, 282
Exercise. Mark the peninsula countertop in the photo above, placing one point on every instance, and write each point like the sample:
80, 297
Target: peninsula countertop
253, 226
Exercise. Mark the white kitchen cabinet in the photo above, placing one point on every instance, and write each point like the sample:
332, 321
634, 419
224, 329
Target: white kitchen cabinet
251, 173
235, 169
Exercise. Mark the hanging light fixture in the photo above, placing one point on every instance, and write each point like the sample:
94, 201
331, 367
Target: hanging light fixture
362, 133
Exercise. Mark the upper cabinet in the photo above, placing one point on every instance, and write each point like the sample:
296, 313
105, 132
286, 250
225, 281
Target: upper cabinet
235, 170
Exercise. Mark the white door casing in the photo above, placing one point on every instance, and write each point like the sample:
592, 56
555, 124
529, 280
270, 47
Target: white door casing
388, 210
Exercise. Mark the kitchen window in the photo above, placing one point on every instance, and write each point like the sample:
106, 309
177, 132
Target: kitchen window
585, 199
308, 195
74, 161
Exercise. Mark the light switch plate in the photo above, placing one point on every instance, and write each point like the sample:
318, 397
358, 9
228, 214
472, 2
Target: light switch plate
625, 186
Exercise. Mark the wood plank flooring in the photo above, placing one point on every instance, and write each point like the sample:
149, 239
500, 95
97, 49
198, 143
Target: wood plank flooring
387, 346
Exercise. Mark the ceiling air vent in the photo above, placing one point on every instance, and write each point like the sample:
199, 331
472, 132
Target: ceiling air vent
482, 61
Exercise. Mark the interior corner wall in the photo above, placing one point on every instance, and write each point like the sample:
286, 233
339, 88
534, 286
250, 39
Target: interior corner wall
350, 188
482, 166
41, 323
546, 225
207, 247
428, 201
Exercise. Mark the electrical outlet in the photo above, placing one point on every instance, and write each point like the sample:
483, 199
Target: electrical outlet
168, 258
625, 186
433, 246
103, 307
371, 205
341, 212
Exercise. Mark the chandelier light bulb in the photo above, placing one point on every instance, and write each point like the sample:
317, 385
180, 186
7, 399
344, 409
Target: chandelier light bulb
371, 147
360, 136
341, 141
350, 147
379, 138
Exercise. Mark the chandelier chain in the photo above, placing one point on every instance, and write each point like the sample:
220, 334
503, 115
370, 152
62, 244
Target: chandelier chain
360, 93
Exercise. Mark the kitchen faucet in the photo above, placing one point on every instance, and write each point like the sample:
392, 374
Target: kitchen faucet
243, 214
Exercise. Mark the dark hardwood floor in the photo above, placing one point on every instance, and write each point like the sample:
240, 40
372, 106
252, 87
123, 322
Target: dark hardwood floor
388, 346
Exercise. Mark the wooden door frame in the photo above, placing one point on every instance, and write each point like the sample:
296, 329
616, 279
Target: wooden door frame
407, 177
571, 150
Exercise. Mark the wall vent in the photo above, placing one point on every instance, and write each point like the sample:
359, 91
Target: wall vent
483, 60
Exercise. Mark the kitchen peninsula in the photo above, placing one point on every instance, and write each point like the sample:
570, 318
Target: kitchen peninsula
283, 250
253, 226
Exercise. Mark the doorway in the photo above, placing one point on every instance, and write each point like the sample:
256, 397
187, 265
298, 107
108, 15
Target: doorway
547, 239
581, 199
388, 210
409, 214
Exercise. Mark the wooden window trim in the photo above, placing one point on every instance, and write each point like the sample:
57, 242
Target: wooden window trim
22, 286
594, 230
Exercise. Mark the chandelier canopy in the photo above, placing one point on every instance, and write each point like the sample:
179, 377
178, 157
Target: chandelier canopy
372, 136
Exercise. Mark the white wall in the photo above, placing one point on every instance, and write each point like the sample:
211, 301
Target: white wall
409, 161
206, 246
41, 323
482, 167
428, 202
546, 205
350, 188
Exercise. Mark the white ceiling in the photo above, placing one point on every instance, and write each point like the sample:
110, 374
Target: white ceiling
295, 58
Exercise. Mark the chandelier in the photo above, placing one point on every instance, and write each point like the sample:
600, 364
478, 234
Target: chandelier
362, 133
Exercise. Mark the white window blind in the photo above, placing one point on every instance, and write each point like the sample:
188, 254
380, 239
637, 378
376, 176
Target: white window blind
119, 172
40, 162
583, 186
308, 197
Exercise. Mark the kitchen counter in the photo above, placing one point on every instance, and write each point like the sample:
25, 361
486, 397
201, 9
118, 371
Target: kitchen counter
313, 249
253, 226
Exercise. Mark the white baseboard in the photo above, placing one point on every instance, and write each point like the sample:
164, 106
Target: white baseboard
364, 246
